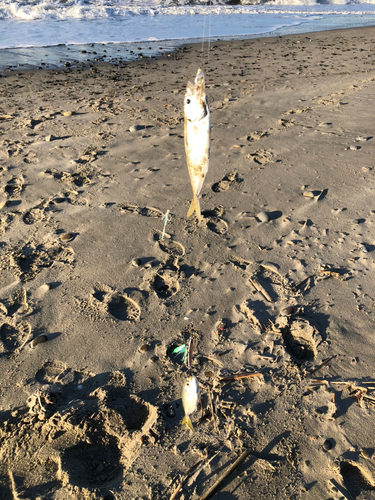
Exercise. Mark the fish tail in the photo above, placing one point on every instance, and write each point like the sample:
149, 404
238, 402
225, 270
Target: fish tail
195, 207
186, 420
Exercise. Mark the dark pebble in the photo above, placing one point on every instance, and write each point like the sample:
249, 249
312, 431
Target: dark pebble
287, 311
328, 444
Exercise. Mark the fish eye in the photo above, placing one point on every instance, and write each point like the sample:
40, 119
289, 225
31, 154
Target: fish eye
188, 101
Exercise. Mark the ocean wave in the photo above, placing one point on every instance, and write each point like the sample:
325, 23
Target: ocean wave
94, 9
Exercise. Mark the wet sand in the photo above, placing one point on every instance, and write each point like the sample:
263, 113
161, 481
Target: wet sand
277, 280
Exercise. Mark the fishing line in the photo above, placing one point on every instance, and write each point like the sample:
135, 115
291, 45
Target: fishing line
204, 32
209, 33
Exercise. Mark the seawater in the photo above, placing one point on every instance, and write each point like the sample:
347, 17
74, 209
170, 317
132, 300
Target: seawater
26, 26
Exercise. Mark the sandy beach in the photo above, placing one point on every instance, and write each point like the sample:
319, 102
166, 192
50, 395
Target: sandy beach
275, 286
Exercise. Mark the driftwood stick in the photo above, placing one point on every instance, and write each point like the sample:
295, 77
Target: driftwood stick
212, 410
301, 283
189, 358
39, 400
214, 360
198, 470
184, 478
239, 376
13, 485
260, 289
322, 365
226, 473
368, 398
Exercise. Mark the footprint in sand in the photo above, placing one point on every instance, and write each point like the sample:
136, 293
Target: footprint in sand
214, 221
226, 182
14, 331
261, 156
256, 136
50, 372
356, 478
13, 336
144, 211
123, 308
34, 215
105, 302
14, 186
165, 284
31, 158
164, 280
283, 122
28, 260
171, 247
299, 338
94, 436
17, 305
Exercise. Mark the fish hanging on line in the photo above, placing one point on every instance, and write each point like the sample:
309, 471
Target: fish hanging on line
197, 138
190, 395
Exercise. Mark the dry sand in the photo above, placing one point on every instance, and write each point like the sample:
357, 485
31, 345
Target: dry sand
277, 279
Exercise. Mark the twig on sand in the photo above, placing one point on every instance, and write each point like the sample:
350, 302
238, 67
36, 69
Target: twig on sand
260, 289
226, 473
189, 358
317, 382
301, 283
368, 398
212, 410
184, 478
214, 360
40, 402
13, 485
238, 376
192, 474
322, 365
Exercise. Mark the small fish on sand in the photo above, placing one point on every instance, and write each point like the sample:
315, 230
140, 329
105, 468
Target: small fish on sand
190, 395
197, 138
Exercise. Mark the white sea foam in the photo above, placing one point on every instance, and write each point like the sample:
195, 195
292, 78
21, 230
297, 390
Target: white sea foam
82, 9
37, 23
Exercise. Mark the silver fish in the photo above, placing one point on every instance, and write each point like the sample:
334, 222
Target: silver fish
197, 138
190, 395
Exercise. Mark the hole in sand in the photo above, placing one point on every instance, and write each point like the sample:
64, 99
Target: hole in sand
92, 465
356, 478
123, 308
134, 414
299, 339
165, 285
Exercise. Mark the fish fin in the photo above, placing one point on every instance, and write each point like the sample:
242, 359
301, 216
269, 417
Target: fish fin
186, 420
195, 207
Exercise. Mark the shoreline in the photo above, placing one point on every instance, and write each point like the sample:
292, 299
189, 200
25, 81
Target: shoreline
14, 59
275, 286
